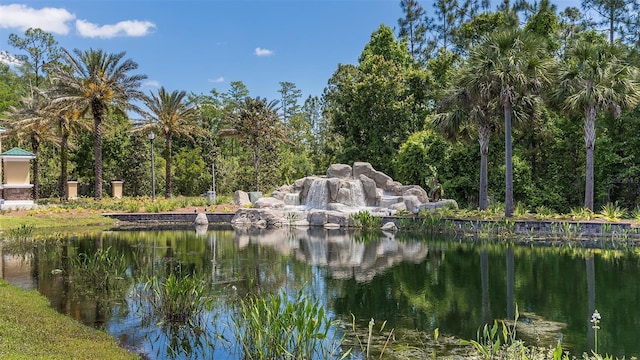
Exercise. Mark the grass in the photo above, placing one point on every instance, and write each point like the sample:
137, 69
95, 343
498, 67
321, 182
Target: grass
53, 218
84, 213
31, 329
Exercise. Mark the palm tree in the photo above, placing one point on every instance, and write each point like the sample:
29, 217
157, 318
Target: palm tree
93, 81
511, 67
31, 121
592, 78
171, 114
468, 112
66, 118
256, 121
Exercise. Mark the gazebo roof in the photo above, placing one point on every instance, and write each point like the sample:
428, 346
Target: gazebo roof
18, 152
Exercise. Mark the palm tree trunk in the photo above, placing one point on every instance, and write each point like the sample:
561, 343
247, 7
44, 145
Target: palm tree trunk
508, 158
590, 142
97, 108
35, 145
167, 169
484, 133
64, 162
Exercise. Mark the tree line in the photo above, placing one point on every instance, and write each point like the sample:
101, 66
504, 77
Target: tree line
555, 92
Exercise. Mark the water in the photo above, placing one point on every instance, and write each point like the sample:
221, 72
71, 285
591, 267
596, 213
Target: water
413, 283
318, 196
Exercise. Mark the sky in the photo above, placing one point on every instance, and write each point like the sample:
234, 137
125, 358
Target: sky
200, 45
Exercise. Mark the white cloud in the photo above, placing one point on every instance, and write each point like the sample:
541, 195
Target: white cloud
132, 28
151, 83
263, 52
22, 17
9, 59
217, 80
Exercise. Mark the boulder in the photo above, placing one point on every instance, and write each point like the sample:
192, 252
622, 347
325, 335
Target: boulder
317, 218
401, 206
415, 190
362, 168
201, 219
369, 187
281, 192
442, 204
334, 187
338, 217
341, 171
389, 226
241, 198
268, 202
306, 185
381, 178
267, 217
411, 202
387, 201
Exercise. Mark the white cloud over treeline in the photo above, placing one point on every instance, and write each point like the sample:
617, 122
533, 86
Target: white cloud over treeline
60, 21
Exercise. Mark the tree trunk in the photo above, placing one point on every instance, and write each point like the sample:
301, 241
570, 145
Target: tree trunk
508, 159
97, 107
484, 280
35, 145
511, 284
590, 142
63, 191
256, 167
484, 133
167, 169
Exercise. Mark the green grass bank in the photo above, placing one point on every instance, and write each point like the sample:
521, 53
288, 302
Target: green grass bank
31, 329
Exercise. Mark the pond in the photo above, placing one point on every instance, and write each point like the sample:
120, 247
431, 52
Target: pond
415, 283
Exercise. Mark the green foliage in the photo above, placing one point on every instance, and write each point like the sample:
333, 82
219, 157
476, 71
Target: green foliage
177, 299
103, 272
276, 326
255, 122
366, 346
20, 233
370, 106
489, 339
612, 212
418, 156
365, 221
191, 173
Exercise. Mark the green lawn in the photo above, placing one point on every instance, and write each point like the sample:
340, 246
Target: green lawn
31, 329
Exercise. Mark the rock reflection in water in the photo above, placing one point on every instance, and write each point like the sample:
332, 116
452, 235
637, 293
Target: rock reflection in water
347, 254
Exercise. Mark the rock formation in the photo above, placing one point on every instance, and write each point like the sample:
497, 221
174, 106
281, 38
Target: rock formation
330, 200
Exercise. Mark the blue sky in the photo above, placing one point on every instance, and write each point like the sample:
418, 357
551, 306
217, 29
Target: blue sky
201, 45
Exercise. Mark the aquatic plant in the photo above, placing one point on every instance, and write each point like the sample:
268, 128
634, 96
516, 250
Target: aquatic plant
177, 299
20, 233
367, 346
101, 272
275, 326
365, 221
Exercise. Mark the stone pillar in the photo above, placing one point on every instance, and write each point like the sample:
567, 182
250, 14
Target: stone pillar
116, 189
72, 189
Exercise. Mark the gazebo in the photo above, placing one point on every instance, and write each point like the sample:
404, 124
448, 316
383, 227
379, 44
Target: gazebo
16, 188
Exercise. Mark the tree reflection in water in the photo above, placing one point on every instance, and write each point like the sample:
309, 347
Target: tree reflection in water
412, 282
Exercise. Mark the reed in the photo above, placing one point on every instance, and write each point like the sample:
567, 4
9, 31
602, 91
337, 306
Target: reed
177, 299
275, 326
103, 272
